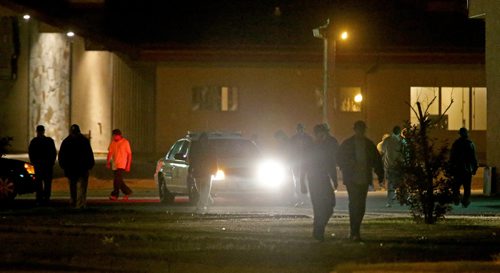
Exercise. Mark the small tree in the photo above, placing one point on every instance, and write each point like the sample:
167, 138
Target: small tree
426, 185
4, 143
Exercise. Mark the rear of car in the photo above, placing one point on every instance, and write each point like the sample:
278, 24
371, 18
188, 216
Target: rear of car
16, 177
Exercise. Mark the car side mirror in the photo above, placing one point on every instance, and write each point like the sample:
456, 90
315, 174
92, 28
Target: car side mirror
180, 156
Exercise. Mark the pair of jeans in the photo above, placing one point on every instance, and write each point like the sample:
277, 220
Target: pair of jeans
204, 186
357, 194
78, 190
119, 184
44, 183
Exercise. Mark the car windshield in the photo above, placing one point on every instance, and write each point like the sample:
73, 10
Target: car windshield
235, 148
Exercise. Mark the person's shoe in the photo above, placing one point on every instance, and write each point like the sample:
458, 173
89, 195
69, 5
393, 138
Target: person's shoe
465, 204
113, 198
319, 237
388, 205
355, 238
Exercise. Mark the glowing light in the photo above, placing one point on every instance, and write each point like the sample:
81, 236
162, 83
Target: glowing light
358, 98
70, 34
26, 17
271, 173
344, 35
29, 168
219, 175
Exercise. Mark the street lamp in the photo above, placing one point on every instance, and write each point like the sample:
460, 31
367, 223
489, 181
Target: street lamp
321, 32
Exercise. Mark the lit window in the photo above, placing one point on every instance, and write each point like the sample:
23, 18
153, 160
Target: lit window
478, 108
350, 99
214, 98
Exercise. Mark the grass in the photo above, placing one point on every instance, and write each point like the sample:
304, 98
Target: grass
142, 240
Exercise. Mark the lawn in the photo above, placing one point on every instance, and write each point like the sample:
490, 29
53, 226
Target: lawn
138, 239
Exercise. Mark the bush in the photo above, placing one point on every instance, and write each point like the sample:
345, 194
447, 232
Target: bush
4, 144
426, 185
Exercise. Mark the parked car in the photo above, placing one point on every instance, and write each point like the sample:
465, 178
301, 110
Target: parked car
241, 168
16, 177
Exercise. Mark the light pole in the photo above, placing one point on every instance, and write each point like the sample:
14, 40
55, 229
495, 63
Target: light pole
321, 32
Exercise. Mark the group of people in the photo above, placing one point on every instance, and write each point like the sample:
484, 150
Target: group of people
314, 164
76, 158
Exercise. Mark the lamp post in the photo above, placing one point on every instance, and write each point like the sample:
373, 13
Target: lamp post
321, 32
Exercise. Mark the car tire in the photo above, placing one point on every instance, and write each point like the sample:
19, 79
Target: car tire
193, 193
7, 189
166, 197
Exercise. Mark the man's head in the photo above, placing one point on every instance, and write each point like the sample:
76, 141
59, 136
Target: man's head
463, 132
396, 130
360, 128
74, 129
320, 132
40, 130
117, 134
300, 128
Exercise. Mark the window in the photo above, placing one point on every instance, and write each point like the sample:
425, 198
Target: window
467, 110
350, 99
214, 98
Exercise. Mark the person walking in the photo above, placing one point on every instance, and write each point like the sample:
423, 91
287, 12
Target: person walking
392, 156
42, 153
203, 165
321, 171
119, 160
76, 158
463, 161
357, 158
299, 144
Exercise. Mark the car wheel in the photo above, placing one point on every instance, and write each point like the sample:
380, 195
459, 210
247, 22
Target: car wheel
193, 193
166, 197
7, 189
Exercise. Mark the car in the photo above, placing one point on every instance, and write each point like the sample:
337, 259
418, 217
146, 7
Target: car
241, 168
16, 177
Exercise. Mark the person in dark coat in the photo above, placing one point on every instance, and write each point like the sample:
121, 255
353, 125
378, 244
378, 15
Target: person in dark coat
464, 165
299, 144
203, 165
358, 158
76, 158
42, 153
320, 169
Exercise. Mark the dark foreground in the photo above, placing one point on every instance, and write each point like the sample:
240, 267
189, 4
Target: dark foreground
148, 237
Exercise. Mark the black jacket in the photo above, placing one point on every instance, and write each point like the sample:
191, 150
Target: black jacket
463, 156
346, 159
42, 152
76, 157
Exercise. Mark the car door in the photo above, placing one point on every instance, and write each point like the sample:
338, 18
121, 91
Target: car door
169, 166
180, 167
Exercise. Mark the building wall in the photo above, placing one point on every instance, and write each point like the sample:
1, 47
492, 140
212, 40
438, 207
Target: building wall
273, 97
91, 94
489, 10
14, 113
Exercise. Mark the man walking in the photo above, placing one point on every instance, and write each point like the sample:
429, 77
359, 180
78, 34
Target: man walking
119, 160
464, 165
76, 158
320, 169
42, 153
357, 158
203, 165
392, 156
300, 143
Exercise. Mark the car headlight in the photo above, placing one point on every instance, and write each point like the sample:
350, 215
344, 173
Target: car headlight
29, 168
271, 173
219, 175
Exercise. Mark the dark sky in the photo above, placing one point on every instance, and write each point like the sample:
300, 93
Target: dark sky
375, 24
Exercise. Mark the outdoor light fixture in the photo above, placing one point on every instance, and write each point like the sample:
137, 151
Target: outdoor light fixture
321, 32
26, 17
70, 34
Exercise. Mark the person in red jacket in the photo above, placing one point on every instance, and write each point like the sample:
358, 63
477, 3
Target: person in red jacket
119, 160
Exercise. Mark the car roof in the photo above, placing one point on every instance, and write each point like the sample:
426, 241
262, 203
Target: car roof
215, 135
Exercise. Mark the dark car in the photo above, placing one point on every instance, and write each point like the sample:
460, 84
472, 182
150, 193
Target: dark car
16, 177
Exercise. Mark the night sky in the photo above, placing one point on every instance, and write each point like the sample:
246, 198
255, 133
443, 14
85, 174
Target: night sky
431, 25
